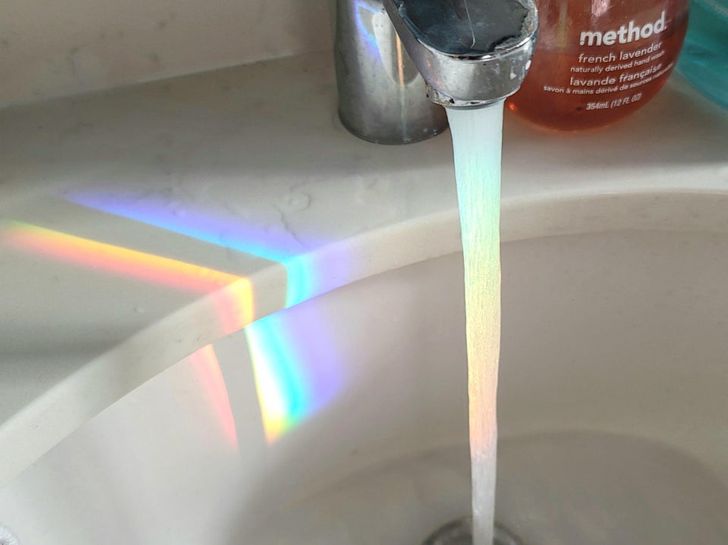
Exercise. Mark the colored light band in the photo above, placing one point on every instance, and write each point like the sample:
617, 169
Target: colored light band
296, 369
305, 277
295, 374
231, 294
209, 375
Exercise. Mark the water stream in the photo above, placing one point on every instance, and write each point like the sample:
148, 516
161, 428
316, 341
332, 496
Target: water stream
476, 138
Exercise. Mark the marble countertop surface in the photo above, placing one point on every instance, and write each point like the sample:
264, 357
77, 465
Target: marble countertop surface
140, 224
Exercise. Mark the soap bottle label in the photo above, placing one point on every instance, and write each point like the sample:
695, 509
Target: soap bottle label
619, 71
592, 68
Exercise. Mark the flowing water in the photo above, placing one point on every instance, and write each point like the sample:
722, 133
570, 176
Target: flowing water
476, 138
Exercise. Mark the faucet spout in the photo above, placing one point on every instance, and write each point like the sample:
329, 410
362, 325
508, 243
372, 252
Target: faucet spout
470, 52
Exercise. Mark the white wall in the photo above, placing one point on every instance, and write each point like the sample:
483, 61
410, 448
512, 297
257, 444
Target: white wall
50, 49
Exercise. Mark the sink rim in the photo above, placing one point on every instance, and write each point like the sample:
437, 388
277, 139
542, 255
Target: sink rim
49, 418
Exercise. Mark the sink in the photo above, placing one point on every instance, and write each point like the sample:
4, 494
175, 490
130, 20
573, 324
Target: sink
342, 420
208, 344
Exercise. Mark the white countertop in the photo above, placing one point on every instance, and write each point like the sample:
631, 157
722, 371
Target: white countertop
141, 224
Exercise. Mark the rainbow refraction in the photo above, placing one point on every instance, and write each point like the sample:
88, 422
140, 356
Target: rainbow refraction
232, 294
477, 144
305, 277
295, 366
362, 26
210, 377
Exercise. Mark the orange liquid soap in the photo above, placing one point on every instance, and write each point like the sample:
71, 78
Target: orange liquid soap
597, 61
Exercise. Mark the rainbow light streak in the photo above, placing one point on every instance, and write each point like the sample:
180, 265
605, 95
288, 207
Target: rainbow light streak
364, 30
295, 368
231, 294
305, 277
209, 374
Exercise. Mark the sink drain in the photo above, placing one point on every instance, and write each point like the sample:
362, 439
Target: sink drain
460, 532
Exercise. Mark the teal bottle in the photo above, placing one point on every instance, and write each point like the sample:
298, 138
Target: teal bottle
704, 59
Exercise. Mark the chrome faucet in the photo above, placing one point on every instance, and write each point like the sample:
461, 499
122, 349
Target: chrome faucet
399, 61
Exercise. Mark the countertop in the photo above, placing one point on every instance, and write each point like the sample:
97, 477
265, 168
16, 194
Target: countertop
140, 224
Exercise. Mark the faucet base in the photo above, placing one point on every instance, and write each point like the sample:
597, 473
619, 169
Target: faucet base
382, 96
394, 138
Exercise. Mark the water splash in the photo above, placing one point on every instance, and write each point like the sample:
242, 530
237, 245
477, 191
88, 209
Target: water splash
477, 148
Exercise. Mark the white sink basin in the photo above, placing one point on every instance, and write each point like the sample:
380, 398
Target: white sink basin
612, 404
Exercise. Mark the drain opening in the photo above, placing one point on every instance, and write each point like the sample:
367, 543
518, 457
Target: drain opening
460, 532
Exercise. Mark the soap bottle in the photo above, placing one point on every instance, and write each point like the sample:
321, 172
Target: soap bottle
597, 61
